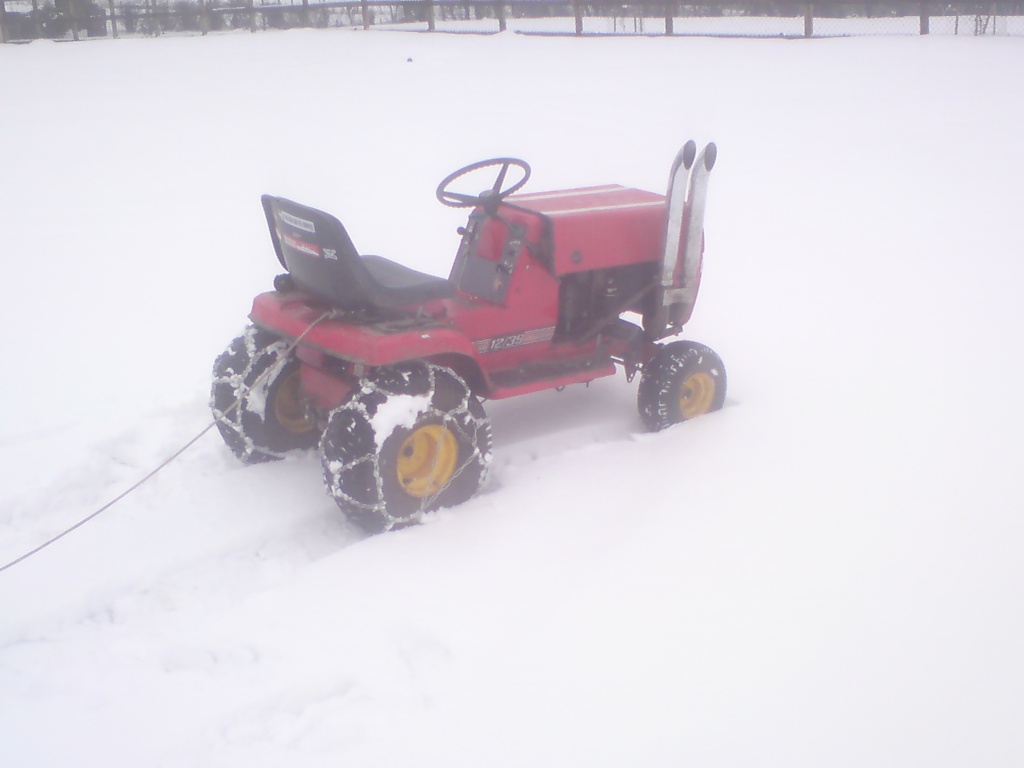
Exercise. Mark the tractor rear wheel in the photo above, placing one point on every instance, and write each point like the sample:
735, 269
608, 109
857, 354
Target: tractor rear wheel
413, 438
256, 400
682, 381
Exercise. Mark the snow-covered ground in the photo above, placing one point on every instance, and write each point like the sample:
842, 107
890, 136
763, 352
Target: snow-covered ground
827, 572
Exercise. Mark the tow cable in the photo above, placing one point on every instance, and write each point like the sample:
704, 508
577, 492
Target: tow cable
325, 316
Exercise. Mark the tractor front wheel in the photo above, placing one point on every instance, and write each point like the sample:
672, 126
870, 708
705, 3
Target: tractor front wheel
413, 438
256, 400
682, 381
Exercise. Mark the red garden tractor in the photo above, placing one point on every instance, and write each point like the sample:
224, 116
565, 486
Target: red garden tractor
384, 368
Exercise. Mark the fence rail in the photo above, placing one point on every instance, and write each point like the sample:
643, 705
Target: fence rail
22, 20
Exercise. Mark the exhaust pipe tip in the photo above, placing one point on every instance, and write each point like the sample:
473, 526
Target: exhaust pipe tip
710, 155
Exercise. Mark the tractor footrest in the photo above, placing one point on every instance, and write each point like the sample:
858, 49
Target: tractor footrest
548, 375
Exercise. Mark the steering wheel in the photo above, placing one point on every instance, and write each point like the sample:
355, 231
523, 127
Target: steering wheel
487, 199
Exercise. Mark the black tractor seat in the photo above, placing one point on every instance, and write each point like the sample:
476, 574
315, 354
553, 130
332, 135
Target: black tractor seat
319, 255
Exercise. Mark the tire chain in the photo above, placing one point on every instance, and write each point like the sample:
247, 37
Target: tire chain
448, 417
231, 417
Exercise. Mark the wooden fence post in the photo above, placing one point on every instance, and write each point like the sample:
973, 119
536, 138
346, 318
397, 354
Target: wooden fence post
431, 23
252, 15
3, 22
113, 19
155, 28
305, 13
670, 18
502, 24
366, 14
577, 7
924, 18
73, 19
808, 20
204, 18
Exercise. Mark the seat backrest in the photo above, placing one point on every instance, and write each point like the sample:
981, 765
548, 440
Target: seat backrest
318, 253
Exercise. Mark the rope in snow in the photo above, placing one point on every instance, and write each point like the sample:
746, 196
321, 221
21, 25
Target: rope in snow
112, 502
166, 461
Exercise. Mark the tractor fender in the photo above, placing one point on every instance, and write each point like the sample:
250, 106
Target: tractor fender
468, 368
423, 343
387, 343
443, 346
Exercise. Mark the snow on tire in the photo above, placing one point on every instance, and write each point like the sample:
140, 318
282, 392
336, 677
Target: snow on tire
255, 399
683, 380
412, 439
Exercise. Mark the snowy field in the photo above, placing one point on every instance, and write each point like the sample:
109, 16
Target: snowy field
827, 572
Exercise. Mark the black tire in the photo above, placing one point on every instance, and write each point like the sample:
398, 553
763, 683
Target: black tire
413, 438
255, 399
683, 380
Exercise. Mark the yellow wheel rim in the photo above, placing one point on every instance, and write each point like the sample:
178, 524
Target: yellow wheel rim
697, 394
427, 460
289, 410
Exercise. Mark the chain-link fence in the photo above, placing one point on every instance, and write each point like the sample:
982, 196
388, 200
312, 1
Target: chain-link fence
76, 19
